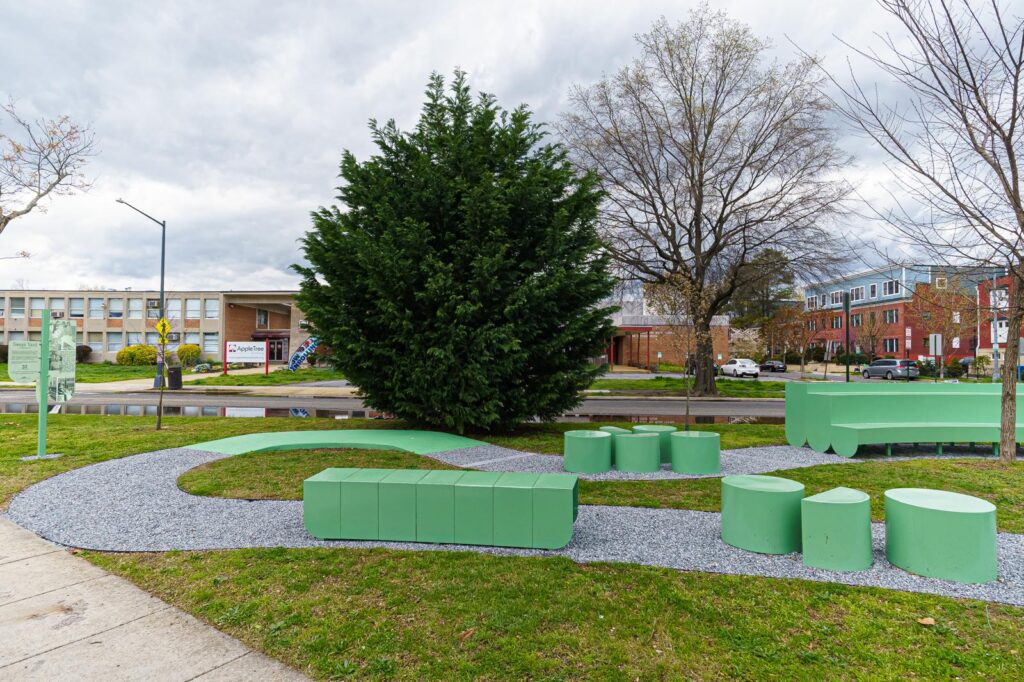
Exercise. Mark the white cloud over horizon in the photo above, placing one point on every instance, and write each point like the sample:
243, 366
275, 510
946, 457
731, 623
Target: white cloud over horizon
228, 119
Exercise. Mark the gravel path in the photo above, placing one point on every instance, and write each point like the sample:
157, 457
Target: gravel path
134, 504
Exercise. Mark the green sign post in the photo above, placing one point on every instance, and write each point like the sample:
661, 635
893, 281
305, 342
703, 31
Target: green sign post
50, 363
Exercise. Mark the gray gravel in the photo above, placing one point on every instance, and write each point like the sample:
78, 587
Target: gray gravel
134, 504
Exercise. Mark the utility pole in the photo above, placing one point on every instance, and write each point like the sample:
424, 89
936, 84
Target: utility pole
995, 329
846, 323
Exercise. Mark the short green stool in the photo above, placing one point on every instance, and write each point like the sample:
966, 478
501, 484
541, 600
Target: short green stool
663, 431
613, 430
837, 530
761, 513
638, 452
588, 452
941, 534
696, 452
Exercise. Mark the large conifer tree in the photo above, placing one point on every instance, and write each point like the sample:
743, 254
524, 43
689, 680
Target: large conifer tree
459, 283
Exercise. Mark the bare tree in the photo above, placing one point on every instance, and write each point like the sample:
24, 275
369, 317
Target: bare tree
950, 310
954, 143
869, 333
44, 157
708, 157
668, 299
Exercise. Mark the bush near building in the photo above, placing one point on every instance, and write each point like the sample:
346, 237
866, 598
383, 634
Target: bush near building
137, 355
188, 354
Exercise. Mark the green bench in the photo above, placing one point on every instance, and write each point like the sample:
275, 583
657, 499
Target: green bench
761, 513
447, 507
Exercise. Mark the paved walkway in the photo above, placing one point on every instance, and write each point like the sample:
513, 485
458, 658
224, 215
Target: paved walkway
62, 618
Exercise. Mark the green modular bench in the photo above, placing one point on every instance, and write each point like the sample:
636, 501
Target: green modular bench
613, 430
638, 452
587, 451
836, 530
448, 507
761, 513
696, 452
664, 432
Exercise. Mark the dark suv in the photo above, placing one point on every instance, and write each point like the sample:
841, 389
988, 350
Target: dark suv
892, 369
773, 366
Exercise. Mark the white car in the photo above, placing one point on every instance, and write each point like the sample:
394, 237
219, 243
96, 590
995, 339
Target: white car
741, 367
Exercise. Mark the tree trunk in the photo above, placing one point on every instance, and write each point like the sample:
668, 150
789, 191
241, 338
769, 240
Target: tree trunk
704, 377
1008, 417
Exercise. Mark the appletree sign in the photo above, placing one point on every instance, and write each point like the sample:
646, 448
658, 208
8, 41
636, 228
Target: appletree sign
246, 351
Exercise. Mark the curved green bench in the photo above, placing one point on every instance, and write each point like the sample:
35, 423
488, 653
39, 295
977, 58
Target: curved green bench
696, 452
941, 534
761, 513
416, 442
452, 507
638, 452
836, 530
587, 451
664, 431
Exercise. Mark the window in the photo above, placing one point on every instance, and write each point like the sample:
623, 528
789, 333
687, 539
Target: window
891, 316
35, 336
891, 345
152, 308
191, 308
956, 317
837, 298
856, 320
940, 282
134, 338
77, 307
812, 302
114, 340
837, 322
17, 336
95, 308
35, 307
3, 303
192, 337
134, 308
211, 342
890, 287
212, 306
17, 308
873, 290
174, 309
96, 340
56, 305
152, 338
262, 318
812, 325
115, 308
78, 338
856, 294
822, 300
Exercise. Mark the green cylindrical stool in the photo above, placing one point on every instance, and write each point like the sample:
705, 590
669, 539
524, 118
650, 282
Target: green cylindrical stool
637, 452
761, 513
663, 431
613, 430
587, 452
940, 534
837, 530
696, 452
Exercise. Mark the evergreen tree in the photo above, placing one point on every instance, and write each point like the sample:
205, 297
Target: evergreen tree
460, 285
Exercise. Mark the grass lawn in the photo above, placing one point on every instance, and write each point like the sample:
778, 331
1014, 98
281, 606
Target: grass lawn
383, 614
728, 388
275, 378
95, 373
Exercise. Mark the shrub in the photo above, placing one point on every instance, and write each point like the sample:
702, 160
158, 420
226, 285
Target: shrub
817, 354
82, 352
188, 354
135, 356
792, 358
3, 352
954, 370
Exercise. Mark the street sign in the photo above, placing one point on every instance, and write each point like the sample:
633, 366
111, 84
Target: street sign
246, 351
162, 340
163, 326
61, 377
23, 361
935, 344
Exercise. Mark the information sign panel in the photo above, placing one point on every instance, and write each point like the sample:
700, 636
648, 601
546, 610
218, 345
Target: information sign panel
61, 377
23, 361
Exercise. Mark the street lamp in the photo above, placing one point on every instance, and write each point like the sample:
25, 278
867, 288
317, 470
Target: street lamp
158, 381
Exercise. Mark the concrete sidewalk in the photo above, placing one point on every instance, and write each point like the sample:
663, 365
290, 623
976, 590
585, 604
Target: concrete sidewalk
63, 618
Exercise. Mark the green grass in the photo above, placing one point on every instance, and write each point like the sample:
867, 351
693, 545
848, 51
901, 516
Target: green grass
729, 388
380, 614
94, 373
275, 378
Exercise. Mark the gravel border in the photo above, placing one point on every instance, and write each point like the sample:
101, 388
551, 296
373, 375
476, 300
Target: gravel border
134, 504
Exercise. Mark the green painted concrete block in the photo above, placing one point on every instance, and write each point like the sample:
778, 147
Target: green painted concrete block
435, 506
321, 503
664, 432
761, 513
613, 430
587, 451
555, 504
513, 510
397, 505
941, 534
836, 530
474, 507
637, 452
360, 504
696, 452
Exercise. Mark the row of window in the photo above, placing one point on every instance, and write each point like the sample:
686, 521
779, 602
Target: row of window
115, 341
114, 308
890, 287
891, 316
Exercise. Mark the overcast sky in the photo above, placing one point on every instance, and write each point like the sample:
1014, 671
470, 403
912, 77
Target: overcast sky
228, 119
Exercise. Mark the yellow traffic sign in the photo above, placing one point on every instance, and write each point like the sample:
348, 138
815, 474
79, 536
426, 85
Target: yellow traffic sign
162, 340
163, 326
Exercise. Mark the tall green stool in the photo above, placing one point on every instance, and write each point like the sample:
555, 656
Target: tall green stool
941, 534
761, 513
638, 452
588, 452
321, 503
696, 452
613, 430
837, 530
663, 431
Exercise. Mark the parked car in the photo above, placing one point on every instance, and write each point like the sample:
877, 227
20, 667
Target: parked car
773, 366
892, 369
740, 367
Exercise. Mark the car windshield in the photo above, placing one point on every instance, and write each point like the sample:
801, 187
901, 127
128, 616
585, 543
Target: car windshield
908, 363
